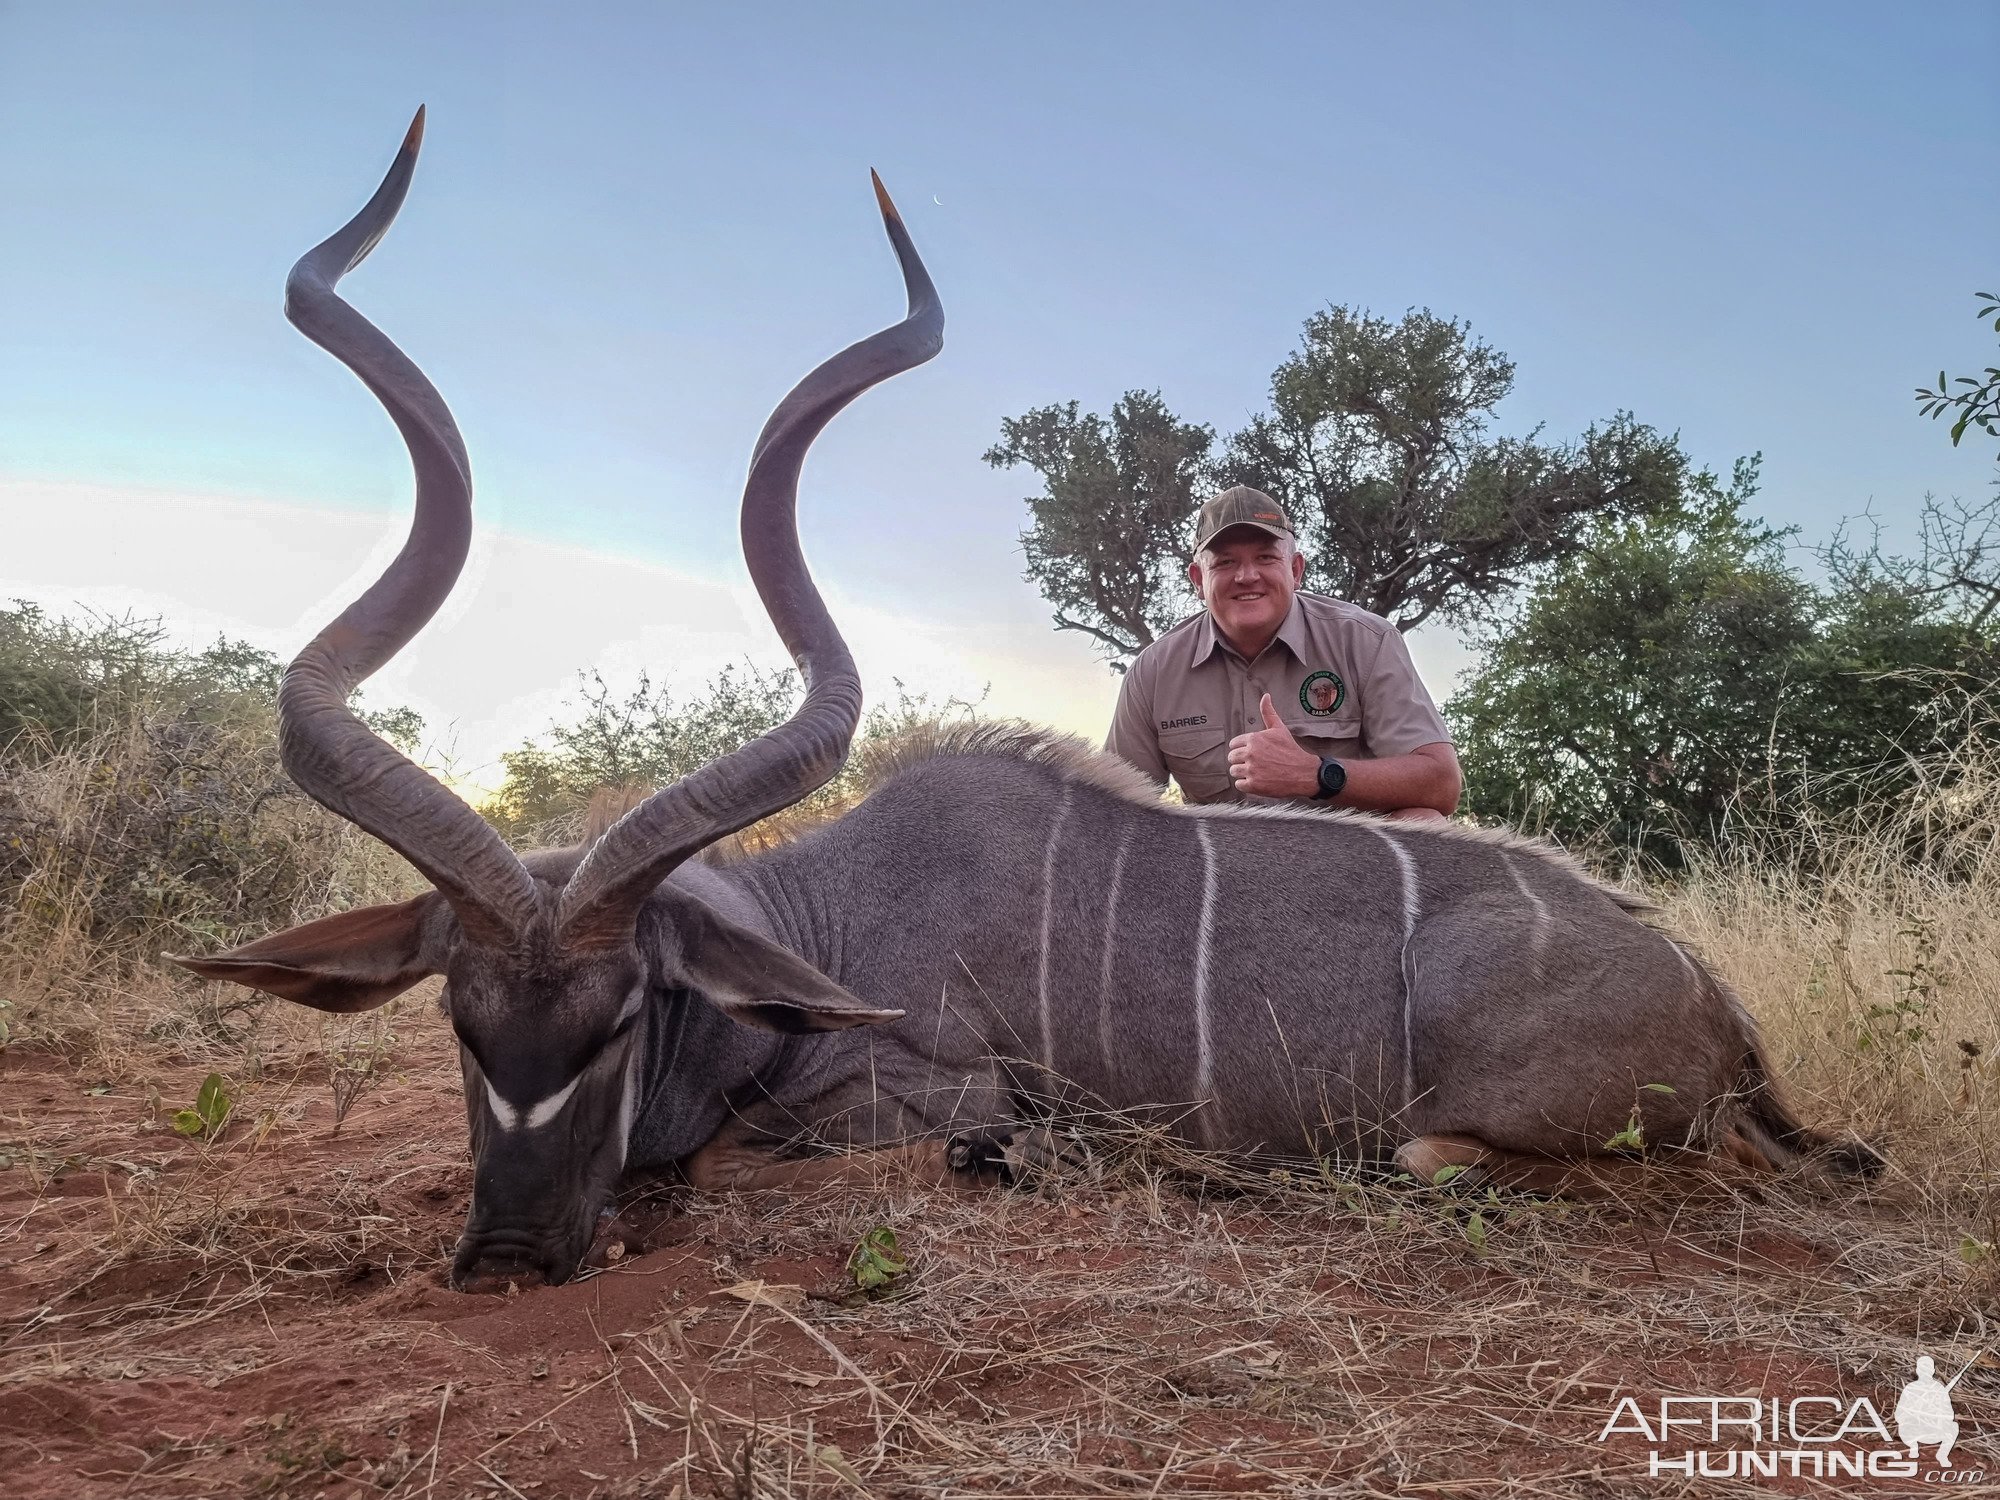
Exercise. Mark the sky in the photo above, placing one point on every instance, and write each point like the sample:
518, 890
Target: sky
633, 227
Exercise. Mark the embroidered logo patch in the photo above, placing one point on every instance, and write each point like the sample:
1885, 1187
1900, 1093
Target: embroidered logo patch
1322, 694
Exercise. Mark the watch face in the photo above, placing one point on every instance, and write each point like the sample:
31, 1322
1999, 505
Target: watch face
1332, 777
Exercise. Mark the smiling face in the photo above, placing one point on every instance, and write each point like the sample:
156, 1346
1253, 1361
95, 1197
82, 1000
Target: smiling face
1247, 577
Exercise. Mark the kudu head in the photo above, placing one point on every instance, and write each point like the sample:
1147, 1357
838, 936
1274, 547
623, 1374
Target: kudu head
546, 974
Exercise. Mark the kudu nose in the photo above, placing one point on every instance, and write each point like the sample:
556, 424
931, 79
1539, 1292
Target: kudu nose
496, 1268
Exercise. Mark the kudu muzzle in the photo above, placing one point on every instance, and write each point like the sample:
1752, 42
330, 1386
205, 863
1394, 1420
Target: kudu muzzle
541, 1174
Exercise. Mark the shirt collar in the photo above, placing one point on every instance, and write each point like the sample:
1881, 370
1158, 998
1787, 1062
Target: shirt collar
1292, 632
1206, 638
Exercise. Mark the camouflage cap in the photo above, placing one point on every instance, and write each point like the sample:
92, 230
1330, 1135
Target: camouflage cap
1240, 505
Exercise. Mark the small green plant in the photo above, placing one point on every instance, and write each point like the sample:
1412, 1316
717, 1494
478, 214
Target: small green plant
1475, 1232
1890, 1028
210, 1112
876, 1261
1631, 1138
357, 1063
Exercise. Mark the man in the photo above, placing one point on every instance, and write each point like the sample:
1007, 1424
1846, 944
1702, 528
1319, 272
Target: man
1271, 693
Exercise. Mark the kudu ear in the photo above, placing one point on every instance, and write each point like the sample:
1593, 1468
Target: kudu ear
355, 960
754, 980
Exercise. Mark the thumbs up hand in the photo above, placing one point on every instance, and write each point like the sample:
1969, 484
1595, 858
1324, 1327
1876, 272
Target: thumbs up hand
1268, 762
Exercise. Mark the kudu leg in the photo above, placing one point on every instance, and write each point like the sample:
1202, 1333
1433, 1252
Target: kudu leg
746, 1166
1479, 1165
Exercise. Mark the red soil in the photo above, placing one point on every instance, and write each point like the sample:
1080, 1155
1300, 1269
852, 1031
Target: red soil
266, 1315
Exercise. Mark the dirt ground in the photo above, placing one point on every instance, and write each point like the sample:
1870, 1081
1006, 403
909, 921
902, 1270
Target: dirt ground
266, 1314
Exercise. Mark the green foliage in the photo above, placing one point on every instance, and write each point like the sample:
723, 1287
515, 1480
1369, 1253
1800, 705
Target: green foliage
1676, 678
62, 680
1376, 440
210, 1112
1979, 403
647, 738
1474, 1229
642, 738
1631, 1138
876, 1261
1109, 539
1619, 699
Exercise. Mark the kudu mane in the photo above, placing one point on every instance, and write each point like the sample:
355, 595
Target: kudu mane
1070, 759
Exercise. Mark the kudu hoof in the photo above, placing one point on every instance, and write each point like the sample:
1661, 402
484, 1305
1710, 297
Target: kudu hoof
1014, 1155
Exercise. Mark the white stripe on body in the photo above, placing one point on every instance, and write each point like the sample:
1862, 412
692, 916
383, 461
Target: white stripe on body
1048, 922
1538, 935
1204, 1060
1406, 867
1688, 963
1110, 948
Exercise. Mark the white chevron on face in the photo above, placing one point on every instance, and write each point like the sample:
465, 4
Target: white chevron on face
535, 1117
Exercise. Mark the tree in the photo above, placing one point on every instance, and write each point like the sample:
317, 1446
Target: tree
648, 739
1376, 441
643, 739
1674, 676
1980, 404
1619, 699
1108, 542
1377, 444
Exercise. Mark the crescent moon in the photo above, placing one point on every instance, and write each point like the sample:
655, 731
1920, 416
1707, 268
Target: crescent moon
937, 200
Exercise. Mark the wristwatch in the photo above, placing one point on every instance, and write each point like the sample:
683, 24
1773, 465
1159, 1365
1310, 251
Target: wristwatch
1332, 777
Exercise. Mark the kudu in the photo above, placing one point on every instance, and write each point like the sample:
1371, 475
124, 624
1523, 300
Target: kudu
1012, 917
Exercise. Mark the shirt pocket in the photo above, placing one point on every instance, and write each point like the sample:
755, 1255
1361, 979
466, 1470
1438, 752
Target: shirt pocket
1338, 735
1198, 759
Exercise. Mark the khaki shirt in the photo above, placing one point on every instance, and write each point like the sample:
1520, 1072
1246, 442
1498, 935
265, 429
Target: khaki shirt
1340, 678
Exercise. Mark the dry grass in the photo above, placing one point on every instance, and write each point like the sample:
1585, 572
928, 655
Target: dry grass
181, 1316
1869, 949
164, 831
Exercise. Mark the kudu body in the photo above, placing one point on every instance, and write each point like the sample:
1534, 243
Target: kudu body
1007, 921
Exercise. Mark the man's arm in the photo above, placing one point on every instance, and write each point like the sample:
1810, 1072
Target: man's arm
1132, 737
1427, 777
1270, 763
